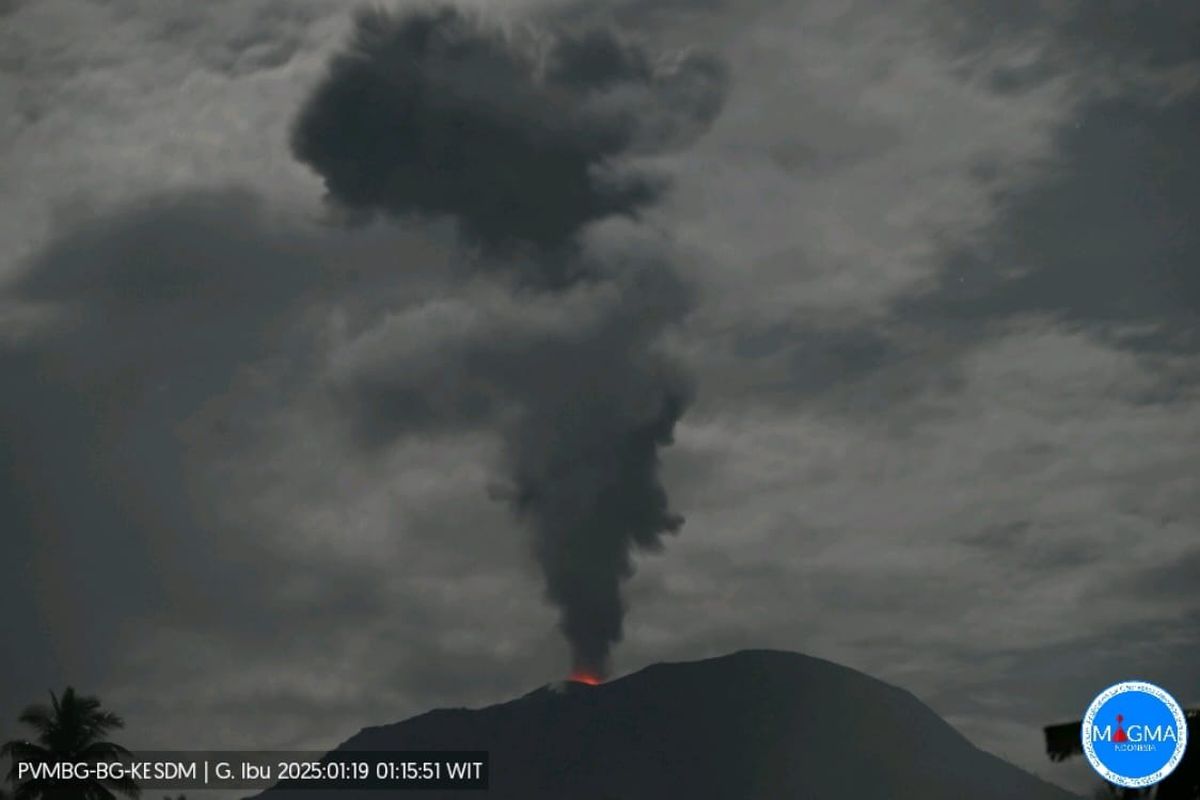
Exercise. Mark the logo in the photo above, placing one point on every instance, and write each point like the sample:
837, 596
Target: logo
1134, 734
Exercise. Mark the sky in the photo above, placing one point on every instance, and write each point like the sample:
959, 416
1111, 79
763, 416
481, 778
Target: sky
876, 322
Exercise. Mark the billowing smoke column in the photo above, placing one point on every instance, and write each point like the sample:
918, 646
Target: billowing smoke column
519, 139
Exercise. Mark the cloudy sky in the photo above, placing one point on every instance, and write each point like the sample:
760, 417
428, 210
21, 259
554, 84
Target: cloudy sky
307, 318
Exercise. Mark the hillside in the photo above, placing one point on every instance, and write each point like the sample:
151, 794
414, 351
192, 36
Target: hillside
754, 725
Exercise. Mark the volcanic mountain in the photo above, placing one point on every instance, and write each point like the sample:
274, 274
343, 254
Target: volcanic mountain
754, 725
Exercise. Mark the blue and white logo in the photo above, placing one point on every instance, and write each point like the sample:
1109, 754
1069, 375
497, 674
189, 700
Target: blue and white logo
1134, 734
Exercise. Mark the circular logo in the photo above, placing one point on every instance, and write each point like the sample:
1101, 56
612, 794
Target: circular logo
1134, 734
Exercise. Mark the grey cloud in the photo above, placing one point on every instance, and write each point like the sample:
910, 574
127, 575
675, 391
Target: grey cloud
1104, 238
1072, 672
474, 358
820, 358
1174, 581
229, 39
150, 312
1101, 238
1033, 550
437, 114
1163, 33
200, 251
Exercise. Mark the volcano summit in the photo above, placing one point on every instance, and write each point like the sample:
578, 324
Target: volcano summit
754, 725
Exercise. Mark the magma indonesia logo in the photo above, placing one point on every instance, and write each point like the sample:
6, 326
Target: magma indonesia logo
1134, 734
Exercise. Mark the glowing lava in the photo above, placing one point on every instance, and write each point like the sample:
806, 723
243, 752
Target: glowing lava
585, 677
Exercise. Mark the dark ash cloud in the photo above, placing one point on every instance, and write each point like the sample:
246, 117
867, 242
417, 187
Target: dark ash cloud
438, 114
519, 141
585, 402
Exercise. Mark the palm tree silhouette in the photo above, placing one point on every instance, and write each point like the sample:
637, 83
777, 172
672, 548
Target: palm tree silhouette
71, 729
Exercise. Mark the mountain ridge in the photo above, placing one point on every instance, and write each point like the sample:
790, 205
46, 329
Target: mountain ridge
750, 725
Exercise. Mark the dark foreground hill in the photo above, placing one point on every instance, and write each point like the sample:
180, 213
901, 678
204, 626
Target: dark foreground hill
755, 725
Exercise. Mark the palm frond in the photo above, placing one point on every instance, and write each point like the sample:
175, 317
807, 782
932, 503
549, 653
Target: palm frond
103, 751
19, 749
29, 790
22, 751
101, 722
38, 717
126, 786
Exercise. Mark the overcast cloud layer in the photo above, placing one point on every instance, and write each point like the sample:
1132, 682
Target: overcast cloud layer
934, 278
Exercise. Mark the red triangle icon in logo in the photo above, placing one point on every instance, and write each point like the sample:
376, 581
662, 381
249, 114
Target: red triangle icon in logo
1120, 735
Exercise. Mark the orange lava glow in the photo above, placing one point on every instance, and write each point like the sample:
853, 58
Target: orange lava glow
582, 676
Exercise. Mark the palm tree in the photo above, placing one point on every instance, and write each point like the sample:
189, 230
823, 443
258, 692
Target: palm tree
71, 729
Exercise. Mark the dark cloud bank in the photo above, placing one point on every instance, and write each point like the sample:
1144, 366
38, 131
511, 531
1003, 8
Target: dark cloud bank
1155, 34
517, 140
1105, 241
151, 311
1104, 237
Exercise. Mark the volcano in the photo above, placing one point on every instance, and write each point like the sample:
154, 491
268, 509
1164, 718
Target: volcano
754, 725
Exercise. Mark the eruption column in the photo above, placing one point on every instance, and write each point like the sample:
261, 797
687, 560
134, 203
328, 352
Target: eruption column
520, 142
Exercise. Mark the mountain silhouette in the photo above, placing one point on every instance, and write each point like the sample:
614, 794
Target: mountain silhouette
754, 725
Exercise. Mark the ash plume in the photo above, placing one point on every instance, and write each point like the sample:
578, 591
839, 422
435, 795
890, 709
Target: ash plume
523, 140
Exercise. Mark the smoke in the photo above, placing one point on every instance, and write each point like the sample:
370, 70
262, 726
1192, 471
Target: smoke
514, 136
524, 141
